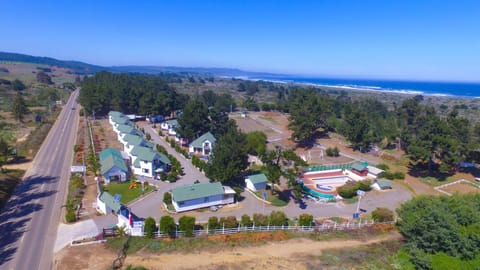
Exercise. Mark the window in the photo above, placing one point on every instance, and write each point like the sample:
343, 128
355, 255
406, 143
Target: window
145, 171
181, 203
205, 199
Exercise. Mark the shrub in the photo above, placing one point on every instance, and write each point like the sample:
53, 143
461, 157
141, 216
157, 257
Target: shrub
305, 220
149, 227
167, 198
260, 219
382, 214
213, 223
229, 222
167, 225
333, 152
238, 192
278, 218
349, 190
187, 224
399, 175
172, 176
70, 216
383, 166
246, 220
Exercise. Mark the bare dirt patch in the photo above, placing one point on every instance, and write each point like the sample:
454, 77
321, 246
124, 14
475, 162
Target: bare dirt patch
290, 254
461, 187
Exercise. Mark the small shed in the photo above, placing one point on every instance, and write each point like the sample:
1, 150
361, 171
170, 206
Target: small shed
244, 114
359, 169
382, 184
106, 204
256, 182
374, 172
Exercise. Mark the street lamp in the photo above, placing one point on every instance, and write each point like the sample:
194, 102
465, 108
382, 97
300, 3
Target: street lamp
360, 194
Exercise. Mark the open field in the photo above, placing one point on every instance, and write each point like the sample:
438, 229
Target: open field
462, 187
276, 253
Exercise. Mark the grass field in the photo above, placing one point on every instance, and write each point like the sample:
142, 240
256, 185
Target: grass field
127, 194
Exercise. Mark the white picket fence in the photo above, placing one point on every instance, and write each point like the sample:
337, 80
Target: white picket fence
239, 229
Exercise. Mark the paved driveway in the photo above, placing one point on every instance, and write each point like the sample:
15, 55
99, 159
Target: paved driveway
150, 205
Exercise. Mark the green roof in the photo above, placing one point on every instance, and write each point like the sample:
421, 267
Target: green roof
108, 199
384, 183
198, 142
145, 153
197, 191
112, 161
133, 139
109, 152
122, 120
172, 122
125, 128
359, 167
115, 114
257, 178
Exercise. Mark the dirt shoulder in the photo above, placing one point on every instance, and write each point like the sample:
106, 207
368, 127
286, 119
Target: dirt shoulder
290, 254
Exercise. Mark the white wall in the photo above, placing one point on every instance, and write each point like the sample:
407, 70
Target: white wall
200, 203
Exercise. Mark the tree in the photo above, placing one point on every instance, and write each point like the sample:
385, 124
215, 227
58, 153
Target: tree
167, 198
356, 129
229, 156
308, 113
213, 223
433, 225
246, 220
260, 219
256, 143
194, 120
19, 107
167, 225
305, 220
18, 85
187, 224
382, 214
149, 227
278, 218
228, 222
43, 77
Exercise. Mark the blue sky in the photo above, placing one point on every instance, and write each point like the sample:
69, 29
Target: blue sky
393, 39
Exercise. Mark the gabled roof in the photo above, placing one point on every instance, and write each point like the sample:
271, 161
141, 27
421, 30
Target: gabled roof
196, 191
109, 152
384, 183
108, 199
172, 122
121, 120
133, 139
125, 129
374, 170
115, 114
145, 153
359, 167
257, 178
198, 142
112, 161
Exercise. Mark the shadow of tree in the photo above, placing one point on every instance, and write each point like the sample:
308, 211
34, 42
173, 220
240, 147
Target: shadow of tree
15, 216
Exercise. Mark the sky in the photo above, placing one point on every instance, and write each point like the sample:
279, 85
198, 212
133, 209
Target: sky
391, 39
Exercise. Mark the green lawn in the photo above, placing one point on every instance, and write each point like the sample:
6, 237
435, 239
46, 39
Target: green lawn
127, 194
274, 199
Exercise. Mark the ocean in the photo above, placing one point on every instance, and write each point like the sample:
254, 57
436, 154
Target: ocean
453, 89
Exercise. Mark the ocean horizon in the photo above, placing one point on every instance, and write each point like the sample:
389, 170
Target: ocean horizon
444, 89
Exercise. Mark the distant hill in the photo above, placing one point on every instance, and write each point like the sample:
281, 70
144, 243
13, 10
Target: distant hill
84, 68
75, 66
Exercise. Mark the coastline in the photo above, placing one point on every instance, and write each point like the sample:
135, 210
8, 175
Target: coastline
378, 89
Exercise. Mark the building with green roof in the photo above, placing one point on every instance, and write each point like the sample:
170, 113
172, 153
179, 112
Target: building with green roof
201, 195
256, 182
149, 163
106, 203
203, 145
113, 166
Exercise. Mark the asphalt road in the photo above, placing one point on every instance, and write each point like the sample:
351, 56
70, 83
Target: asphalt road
29, 221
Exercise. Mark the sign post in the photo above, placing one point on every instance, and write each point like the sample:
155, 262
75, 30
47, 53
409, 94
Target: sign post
360, 194
264, 194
